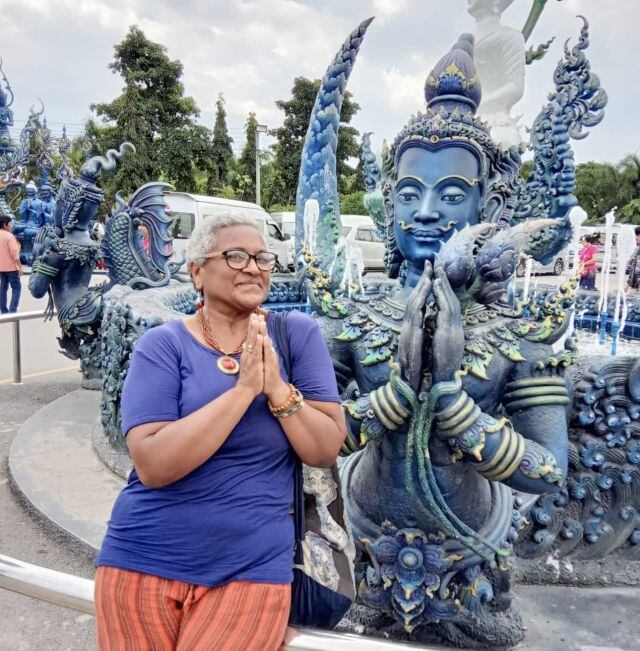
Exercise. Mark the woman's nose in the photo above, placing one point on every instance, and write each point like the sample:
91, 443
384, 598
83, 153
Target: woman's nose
252, 267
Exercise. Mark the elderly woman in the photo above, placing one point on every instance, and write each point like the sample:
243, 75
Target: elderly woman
198, 552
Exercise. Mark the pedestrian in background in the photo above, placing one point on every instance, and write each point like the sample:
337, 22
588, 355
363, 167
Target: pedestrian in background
10, 266
588, 264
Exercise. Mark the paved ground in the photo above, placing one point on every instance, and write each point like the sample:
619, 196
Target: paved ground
29, 624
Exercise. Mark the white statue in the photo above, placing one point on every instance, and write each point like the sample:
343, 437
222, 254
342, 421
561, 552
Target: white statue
500, 58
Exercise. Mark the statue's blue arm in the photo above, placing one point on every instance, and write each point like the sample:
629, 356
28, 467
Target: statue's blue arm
374, 413
45, 267
386, 408
527, 450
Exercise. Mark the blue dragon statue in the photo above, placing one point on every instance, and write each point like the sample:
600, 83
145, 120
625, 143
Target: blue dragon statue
126, 258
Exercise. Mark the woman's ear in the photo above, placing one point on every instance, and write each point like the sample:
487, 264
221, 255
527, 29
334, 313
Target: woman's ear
196, 275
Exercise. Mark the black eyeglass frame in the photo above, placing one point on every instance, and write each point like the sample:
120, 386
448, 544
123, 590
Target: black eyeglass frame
250, 257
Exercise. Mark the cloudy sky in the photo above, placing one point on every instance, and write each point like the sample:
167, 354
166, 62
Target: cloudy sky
252, 49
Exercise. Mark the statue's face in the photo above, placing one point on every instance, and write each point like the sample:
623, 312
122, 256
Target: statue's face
437, 193
31, 193
45, 194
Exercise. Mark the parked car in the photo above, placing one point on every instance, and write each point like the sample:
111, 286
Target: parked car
358, 230
188, 209
556, 267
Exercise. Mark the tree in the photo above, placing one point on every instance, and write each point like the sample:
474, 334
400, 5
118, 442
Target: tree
271, 181
598, 189
629, 168
154, 115
221, 154
291, 134
247, 160
629, 213
353, 203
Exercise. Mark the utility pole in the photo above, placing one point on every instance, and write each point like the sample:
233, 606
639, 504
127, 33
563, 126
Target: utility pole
260, 128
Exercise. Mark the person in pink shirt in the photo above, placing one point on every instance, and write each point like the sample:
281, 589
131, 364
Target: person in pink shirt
588, 264
10, 266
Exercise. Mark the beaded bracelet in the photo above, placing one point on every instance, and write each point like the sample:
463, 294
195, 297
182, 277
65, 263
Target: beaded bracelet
285, 414
294, 397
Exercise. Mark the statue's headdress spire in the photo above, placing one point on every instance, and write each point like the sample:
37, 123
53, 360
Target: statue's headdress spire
453, 83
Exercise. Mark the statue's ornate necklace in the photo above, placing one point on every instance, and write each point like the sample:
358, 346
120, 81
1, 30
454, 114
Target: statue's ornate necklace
227, 364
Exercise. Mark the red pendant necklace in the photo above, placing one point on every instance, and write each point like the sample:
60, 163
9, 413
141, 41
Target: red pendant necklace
228, 365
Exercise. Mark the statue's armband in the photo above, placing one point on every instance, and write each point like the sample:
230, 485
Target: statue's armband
498, 451
384, 409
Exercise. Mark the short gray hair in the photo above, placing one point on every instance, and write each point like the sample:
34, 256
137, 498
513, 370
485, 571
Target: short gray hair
203, 237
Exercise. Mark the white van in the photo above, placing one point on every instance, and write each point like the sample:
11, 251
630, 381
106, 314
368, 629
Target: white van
358, 230
188, 209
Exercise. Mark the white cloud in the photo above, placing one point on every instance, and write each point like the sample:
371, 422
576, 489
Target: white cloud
252, 50
403, 91
384, 8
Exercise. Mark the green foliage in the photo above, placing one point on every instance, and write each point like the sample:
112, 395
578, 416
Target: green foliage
597, 189
353, 203
629, 168
247, 161
221, 152
629, 213
526, 168
154, 115
226, 192
271, 181
281, 207
291, 134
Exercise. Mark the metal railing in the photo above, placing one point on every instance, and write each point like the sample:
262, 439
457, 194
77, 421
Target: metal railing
77, 593
15, 318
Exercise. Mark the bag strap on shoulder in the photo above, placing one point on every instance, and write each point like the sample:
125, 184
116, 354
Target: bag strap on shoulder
282, 342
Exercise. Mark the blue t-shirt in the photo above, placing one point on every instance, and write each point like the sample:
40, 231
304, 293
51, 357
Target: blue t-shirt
229, 519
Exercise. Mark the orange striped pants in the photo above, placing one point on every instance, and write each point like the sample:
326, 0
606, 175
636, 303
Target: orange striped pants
141, 612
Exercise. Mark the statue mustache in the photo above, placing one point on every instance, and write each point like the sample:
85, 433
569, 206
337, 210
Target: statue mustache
432, 230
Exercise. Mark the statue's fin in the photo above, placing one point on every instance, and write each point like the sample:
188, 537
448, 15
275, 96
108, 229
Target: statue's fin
318, 177
537, 53
577, 103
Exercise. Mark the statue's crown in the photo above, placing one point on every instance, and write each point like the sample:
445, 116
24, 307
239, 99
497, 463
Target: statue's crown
453, 93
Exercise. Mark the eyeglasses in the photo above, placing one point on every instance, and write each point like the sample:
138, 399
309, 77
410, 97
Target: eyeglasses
239, 259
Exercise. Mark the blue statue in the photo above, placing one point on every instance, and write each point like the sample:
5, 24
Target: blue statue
6, 114
124, 253
47, 204
44, 154
64, 145
14, 156
31, 220
453, 398
65, 257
